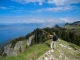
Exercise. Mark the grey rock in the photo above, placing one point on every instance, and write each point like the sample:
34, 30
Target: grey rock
18, 48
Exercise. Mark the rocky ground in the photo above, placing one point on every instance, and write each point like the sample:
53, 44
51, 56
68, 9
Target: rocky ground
62, 52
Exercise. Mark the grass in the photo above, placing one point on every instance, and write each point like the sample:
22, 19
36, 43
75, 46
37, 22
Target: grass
75, 47
34, 52
73, 28
72, 53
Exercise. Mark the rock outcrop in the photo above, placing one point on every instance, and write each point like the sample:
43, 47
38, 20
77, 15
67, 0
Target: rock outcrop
18, 48
30, 40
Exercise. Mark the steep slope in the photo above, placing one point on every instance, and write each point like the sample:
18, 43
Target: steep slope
17, 49
63, 51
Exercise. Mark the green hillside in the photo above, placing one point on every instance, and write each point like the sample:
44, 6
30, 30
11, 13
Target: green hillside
75, 26
77, 23
35, 52
72, 28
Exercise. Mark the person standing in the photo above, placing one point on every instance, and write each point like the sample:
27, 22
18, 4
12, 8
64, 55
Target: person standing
53, 42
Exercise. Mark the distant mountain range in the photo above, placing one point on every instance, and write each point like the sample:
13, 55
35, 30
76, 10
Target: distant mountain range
77, 23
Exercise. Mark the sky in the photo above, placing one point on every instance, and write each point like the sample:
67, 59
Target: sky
39, 11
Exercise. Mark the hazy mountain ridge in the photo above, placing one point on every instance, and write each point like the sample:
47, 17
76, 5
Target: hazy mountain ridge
74, 23
75, 26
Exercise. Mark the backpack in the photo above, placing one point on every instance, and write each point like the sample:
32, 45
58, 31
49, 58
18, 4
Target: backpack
55, 37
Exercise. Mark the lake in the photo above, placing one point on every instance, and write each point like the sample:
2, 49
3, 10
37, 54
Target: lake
10, 31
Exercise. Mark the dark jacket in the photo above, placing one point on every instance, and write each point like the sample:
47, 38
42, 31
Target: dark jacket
55, 37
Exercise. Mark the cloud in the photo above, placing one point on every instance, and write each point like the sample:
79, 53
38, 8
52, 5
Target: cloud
49, 22
27, 19
2, 7
65, 20
12, 8
45, 22
54, 9
56, 2
40, 3
5, 8
28, 1
33, 21
63, 2
60, 5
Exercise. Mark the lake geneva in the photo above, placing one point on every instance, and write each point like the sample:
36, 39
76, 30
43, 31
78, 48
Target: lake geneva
10, 31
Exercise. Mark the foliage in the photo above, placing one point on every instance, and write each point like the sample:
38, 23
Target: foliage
2, 53
13, 42
67, 35
40, 36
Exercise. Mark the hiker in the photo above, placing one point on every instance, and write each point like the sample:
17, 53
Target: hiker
54, 39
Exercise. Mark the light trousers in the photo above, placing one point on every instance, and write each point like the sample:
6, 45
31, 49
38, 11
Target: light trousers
53, 44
